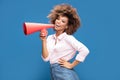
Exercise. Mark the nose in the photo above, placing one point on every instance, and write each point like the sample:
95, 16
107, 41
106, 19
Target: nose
58, 21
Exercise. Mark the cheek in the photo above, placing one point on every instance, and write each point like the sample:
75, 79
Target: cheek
64, 24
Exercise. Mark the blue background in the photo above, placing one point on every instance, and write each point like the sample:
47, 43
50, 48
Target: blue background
20, 55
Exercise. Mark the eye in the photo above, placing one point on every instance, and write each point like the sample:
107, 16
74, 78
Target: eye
63, 21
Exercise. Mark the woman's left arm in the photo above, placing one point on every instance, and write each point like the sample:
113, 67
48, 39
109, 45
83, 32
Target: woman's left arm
80, 57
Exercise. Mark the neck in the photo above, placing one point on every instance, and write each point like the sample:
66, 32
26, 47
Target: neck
58, 33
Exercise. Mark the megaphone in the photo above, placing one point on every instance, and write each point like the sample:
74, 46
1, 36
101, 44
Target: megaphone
30, 28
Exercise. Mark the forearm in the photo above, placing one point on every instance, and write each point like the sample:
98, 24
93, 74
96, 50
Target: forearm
44, 49
74, 63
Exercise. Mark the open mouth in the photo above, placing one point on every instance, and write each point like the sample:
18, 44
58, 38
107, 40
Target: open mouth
57, 25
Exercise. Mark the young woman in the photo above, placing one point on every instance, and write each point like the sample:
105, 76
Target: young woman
61, 47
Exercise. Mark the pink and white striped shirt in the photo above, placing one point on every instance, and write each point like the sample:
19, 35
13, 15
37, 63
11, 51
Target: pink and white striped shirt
65, 48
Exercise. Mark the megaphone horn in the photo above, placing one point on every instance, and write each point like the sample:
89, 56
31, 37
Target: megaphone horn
30, 28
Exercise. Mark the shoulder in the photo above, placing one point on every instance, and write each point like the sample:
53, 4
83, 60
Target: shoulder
50, 36
72, 40
70, 37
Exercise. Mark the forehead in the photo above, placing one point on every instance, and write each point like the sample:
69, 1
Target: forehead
63, 17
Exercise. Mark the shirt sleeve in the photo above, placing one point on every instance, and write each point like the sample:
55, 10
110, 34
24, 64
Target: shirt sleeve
80, 47
45, 59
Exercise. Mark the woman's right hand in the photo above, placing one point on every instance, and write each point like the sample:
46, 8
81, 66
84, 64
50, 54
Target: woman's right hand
43, 34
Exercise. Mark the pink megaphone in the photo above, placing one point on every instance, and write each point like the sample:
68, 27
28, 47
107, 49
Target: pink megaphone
30, 28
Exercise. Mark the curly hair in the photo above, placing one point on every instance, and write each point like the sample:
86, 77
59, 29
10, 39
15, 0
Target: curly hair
68, 11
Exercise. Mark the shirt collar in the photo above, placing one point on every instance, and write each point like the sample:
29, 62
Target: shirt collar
60, 37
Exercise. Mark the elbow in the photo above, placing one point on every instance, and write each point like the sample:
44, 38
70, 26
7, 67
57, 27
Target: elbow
87, 51
44, 56
46, 59
82, 54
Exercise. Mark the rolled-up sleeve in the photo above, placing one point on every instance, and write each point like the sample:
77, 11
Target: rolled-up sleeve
45, 59
83, 52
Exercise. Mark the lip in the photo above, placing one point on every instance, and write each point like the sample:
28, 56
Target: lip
57, 25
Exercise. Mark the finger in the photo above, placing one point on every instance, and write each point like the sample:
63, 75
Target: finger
60, 62
42, 34
62, 59
61, 65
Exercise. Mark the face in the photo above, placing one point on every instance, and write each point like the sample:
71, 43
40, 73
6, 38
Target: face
61, 23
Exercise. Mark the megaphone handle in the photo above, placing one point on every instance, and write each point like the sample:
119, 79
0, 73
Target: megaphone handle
44, 32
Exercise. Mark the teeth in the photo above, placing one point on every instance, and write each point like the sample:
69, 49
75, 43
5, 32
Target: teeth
57, 25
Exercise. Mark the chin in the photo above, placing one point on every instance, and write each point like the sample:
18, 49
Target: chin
56, 29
